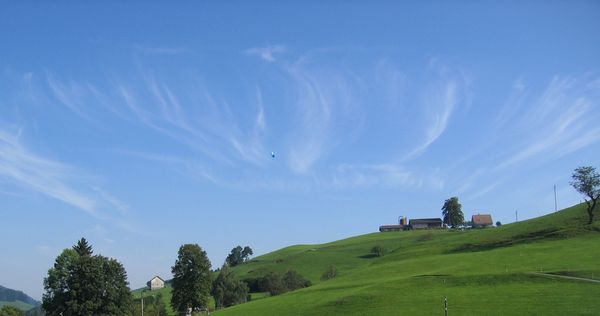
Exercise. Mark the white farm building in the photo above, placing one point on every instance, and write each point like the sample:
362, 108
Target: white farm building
156, 283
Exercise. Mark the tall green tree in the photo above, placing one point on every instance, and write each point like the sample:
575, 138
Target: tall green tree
191, 278
227, 289
587, 182
86, 285
452, 212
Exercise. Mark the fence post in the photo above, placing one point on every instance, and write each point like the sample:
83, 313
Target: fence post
446, 306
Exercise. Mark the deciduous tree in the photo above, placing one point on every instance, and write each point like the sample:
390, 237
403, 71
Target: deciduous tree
82, 284
587, 182
452, 212
191, 279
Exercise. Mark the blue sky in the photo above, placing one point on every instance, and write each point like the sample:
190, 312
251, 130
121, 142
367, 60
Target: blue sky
143, 126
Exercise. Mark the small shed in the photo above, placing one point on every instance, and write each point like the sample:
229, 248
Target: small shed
156, 283
425, 223
481, 220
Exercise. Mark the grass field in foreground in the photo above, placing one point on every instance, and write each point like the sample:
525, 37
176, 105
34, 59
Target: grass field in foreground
481, 272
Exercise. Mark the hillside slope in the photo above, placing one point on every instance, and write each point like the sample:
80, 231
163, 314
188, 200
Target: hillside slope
481, 272
16, 298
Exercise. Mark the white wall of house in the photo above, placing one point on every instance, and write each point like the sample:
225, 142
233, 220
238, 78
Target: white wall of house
156, 283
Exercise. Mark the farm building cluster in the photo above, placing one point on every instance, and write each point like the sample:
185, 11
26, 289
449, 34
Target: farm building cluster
477, 221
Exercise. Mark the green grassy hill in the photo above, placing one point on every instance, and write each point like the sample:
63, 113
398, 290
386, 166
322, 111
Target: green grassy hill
17, 299
18, 304
481, 272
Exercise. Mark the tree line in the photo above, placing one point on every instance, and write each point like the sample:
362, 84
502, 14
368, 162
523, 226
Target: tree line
84, 284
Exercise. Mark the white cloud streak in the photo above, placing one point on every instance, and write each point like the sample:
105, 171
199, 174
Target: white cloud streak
267, 53
21, 167
561, 121
39, 174
382, 175
441, 104
326, 111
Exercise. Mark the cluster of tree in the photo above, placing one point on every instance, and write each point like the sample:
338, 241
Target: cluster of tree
277, 283
8, 310
238, 255
84, 284
193, 285
153, 306
227, 290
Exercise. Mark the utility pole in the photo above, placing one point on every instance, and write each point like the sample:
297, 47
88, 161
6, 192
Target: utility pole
445, 306
555, 205
516, 216
142, 302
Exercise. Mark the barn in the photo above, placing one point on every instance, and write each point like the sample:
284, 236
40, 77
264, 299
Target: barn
391, 228
425, 223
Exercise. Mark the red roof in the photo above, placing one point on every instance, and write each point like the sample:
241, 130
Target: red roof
482, 219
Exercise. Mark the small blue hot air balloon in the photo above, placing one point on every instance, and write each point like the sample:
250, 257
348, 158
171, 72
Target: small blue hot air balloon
272, 154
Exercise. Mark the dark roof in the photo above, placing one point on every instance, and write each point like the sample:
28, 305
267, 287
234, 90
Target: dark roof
156, 276
482, 219
425, 220
390, 226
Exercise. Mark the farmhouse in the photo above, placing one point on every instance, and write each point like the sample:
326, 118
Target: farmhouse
425, 223
156, 283
481, 220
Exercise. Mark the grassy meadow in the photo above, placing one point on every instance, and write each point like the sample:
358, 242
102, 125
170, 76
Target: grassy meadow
480, 271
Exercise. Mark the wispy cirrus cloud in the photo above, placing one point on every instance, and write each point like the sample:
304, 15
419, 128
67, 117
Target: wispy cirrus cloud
267, 53
34, 172
562, 120
21, 167
440, 101
325, 107
70, 94
208, 127
349, 176
532, 125
439, 117
326, 104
